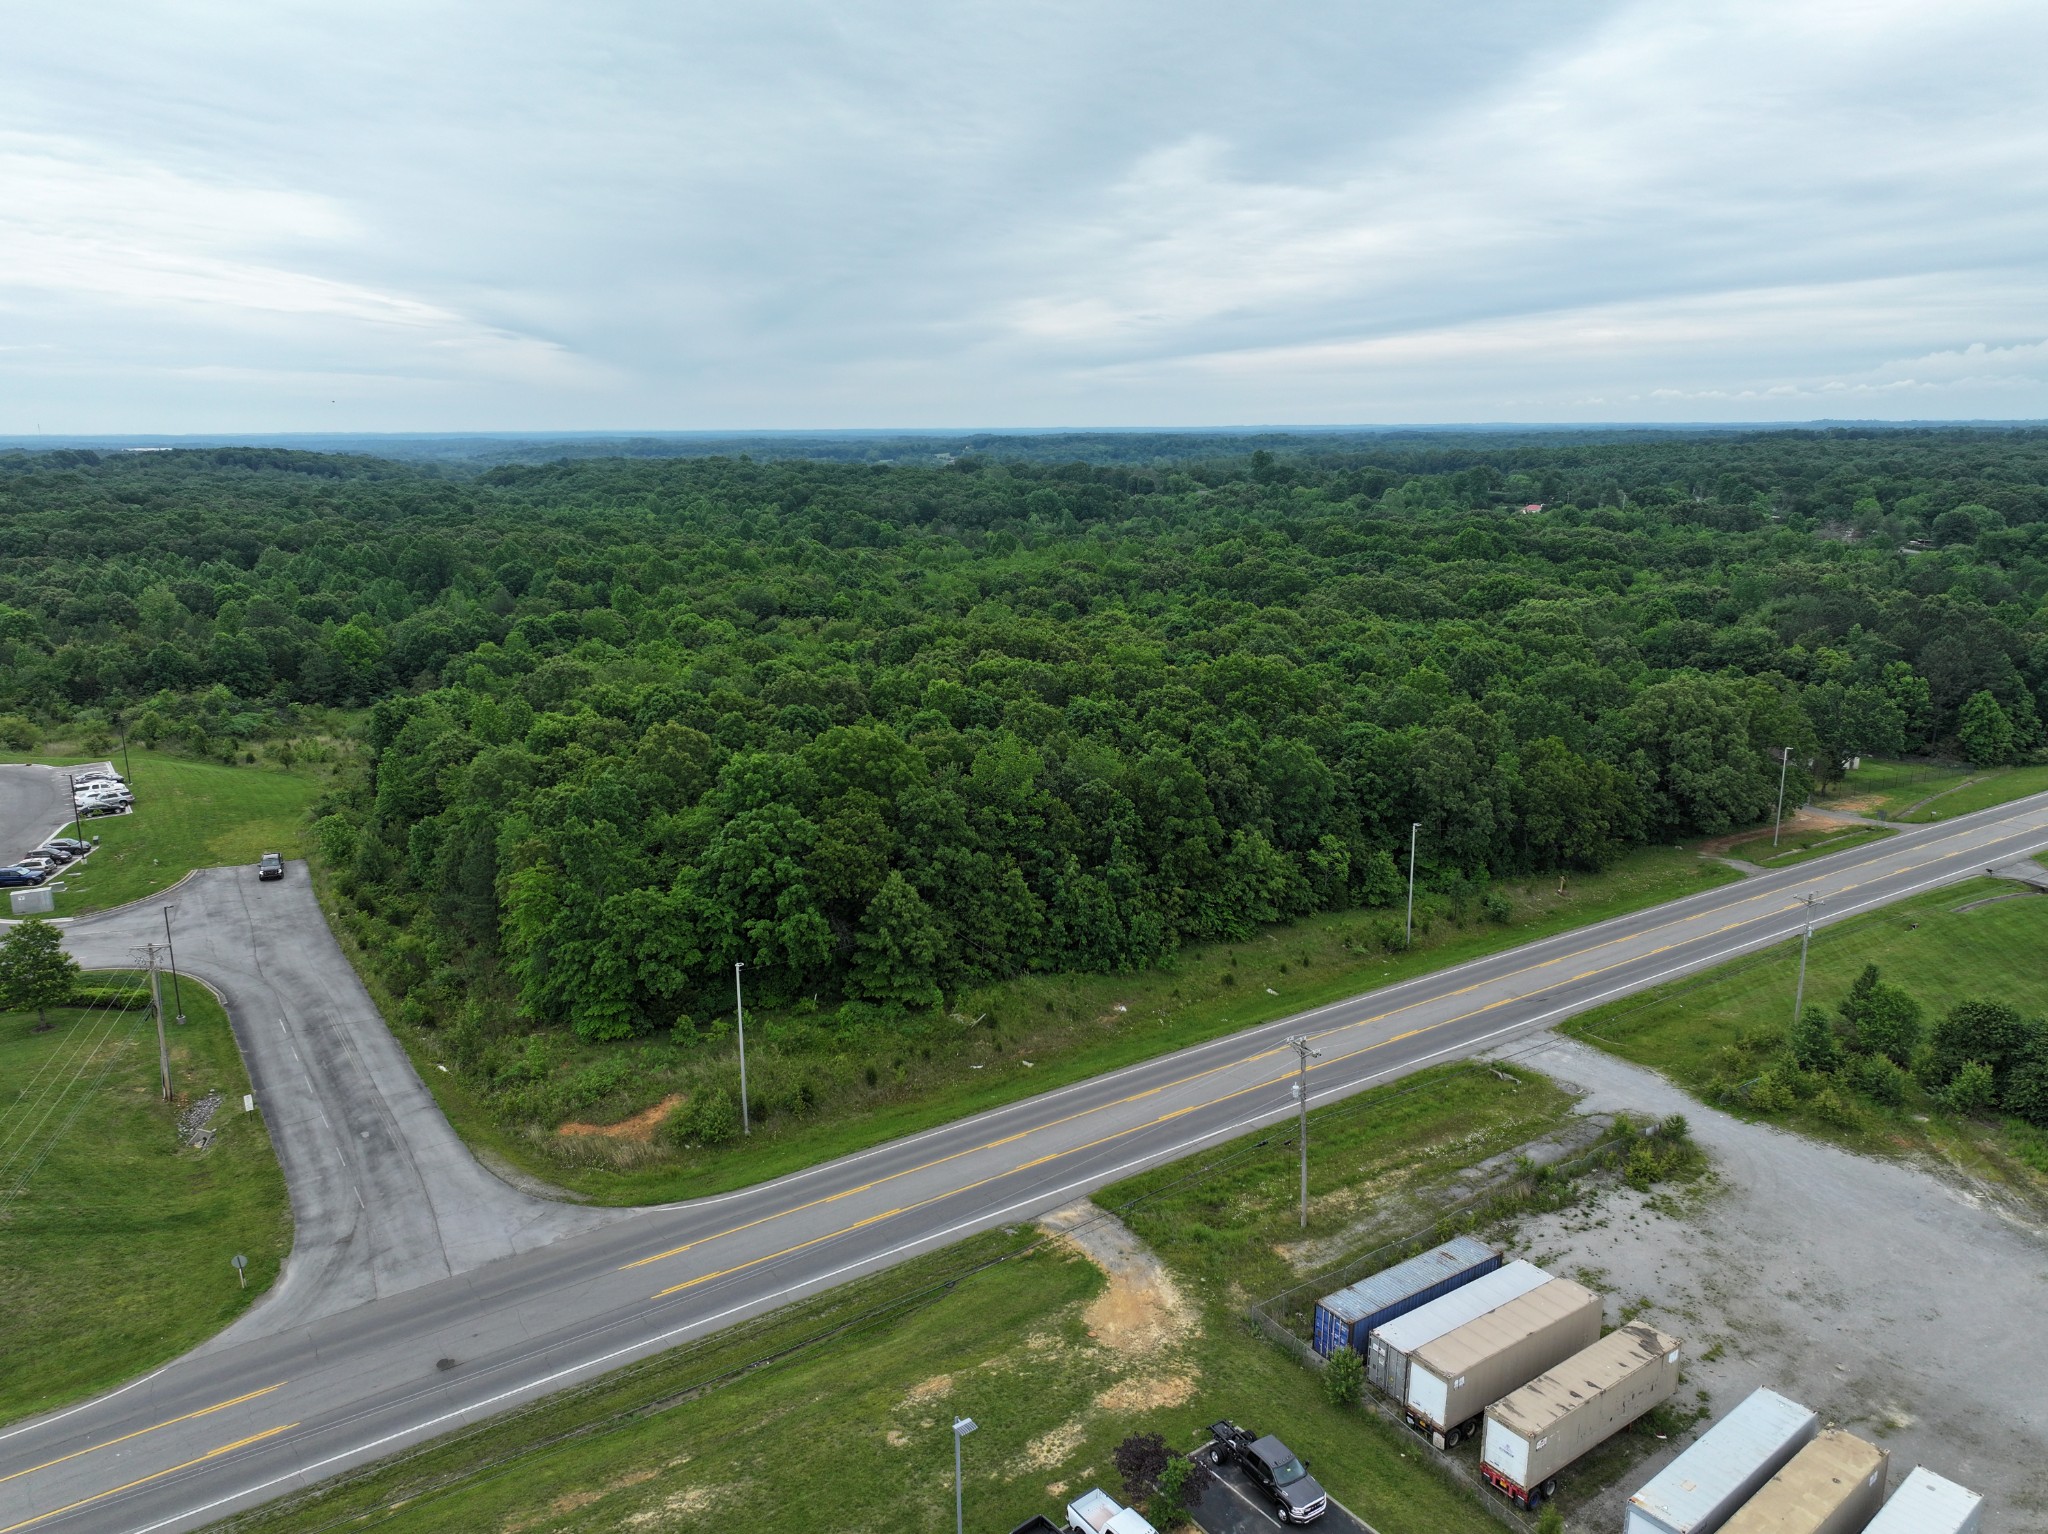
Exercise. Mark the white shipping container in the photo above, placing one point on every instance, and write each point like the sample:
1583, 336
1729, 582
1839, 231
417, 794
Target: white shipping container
1557, 1418
1926, 1503
1387, 1352
1455, 1378
1701, 1489
1834, 1485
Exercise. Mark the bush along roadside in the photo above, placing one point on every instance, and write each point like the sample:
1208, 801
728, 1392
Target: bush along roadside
1873, 1052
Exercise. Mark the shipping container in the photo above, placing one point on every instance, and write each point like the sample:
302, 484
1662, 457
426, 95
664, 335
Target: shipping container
1834, 1485
1455, 1378
1701, 1489
1346, 1318
1387, 1350
1926, 1503
1539, 1430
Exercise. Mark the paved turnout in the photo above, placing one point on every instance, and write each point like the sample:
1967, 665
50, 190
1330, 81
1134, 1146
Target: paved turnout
240, 1422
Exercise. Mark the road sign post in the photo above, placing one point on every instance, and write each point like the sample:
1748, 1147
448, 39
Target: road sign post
241, 1269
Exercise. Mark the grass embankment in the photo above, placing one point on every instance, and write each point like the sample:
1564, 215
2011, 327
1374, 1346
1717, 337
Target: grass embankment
1067, 1027
1916, 793
854, 1431
115, 1238
1797, 844
1937, 953
188, 814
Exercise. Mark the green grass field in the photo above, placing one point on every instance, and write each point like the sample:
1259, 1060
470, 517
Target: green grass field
115, 1240
1916, 793
1939, 954
852, 1434
188, 814
1069, 1027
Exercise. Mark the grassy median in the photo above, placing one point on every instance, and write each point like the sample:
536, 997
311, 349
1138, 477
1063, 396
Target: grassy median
115, 1233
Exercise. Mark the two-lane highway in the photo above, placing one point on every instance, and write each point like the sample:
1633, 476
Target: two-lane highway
236, 1424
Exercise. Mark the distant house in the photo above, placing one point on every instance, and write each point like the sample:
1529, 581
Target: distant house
1532, 508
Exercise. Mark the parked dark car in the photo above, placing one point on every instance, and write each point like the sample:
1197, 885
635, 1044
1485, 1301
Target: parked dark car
51, 850
21, 878
1272, 1467
94, 807
270, 866
70, 844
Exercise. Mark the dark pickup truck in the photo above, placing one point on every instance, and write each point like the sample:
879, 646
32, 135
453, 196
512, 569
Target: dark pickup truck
1272, 1467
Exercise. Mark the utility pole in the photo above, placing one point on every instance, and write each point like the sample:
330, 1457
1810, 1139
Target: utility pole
1412, 830
1305, 1052
1799, 996
1784, 763
739, 1008
156, 1002
127, 767
177, 995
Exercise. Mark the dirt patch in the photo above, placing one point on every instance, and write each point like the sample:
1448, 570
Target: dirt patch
1048, 1449
1141, 1312
1803, 820
937, 1388
687, 1503
898, 1439
1148, 1392
640, 1126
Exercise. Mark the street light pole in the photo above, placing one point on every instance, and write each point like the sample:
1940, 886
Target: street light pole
177, 995
1784, 763
77, 825
1412, 830
739, 1008
1305, 1052
962, 1426
1799, 995
156, 1005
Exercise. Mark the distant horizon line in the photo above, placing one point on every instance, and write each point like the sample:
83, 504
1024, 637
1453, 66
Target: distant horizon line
213, 438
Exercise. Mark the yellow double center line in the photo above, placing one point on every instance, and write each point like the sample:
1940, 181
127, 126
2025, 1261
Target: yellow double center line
115, 1491
1230, 1065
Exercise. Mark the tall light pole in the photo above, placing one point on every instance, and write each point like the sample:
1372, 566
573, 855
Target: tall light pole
1412, 830
1799, 996
1304, 1052
739, 1008
962, 1426
156, 1005
1784, 762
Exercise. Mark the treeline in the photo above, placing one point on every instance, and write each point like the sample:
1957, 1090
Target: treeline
882, 732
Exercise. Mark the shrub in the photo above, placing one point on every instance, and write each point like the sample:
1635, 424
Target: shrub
1550, 1520
1181, 1482
1813, 1043
1495, 906
1830, 1107
1879, 1078
712, 1117
1344, 1377
17, 733
2026, 1090
1141, 1460
1772, 1092
1972, 1089
1983, 1032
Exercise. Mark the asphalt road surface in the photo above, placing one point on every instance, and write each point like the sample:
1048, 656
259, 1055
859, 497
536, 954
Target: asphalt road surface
35, 804
253, 1417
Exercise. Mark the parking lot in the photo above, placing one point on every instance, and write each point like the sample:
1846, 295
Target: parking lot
1232, 1506
36, 805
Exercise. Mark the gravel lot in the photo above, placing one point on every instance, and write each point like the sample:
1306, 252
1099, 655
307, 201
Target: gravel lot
1894, 1303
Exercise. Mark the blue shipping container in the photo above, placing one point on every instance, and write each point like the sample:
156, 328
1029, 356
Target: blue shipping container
1346, 1318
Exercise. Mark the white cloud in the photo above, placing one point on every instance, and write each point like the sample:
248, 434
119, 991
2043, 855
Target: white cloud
458, 215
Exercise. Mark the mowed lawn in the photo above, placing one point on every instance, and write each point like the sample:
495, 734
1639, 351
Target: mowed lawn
1937, 952
116, 1240
1916, 793
188, 814
853, 1433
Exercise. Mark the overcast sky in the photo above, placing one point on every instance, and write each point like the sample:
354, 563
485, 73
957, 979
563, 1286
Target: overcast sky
512, 216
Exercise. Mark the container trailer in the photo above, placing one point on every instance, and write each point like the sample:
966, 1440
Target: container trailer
1698, 1491
1926, 1503
1387, 1350
1452, 1380
1346, 1318
1535, 1434
1834, 1485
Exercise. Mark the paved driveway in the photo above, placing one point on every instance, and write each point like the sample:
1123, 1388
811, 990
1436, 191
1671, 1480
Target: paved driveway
35, 804
1232, 1506
385, 1196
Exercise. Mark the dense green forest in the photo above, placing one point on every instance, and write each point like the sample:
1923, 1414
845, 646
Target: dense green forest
881, 731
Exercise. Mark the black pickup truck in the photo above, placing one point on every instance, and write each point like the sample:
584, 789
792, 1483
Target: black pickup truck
1272, 1467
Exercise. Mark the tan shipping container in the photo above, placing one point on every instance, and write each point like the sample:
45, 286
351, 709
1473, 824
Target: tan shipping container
1455, 1378
1557, 1417
1835, 1485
